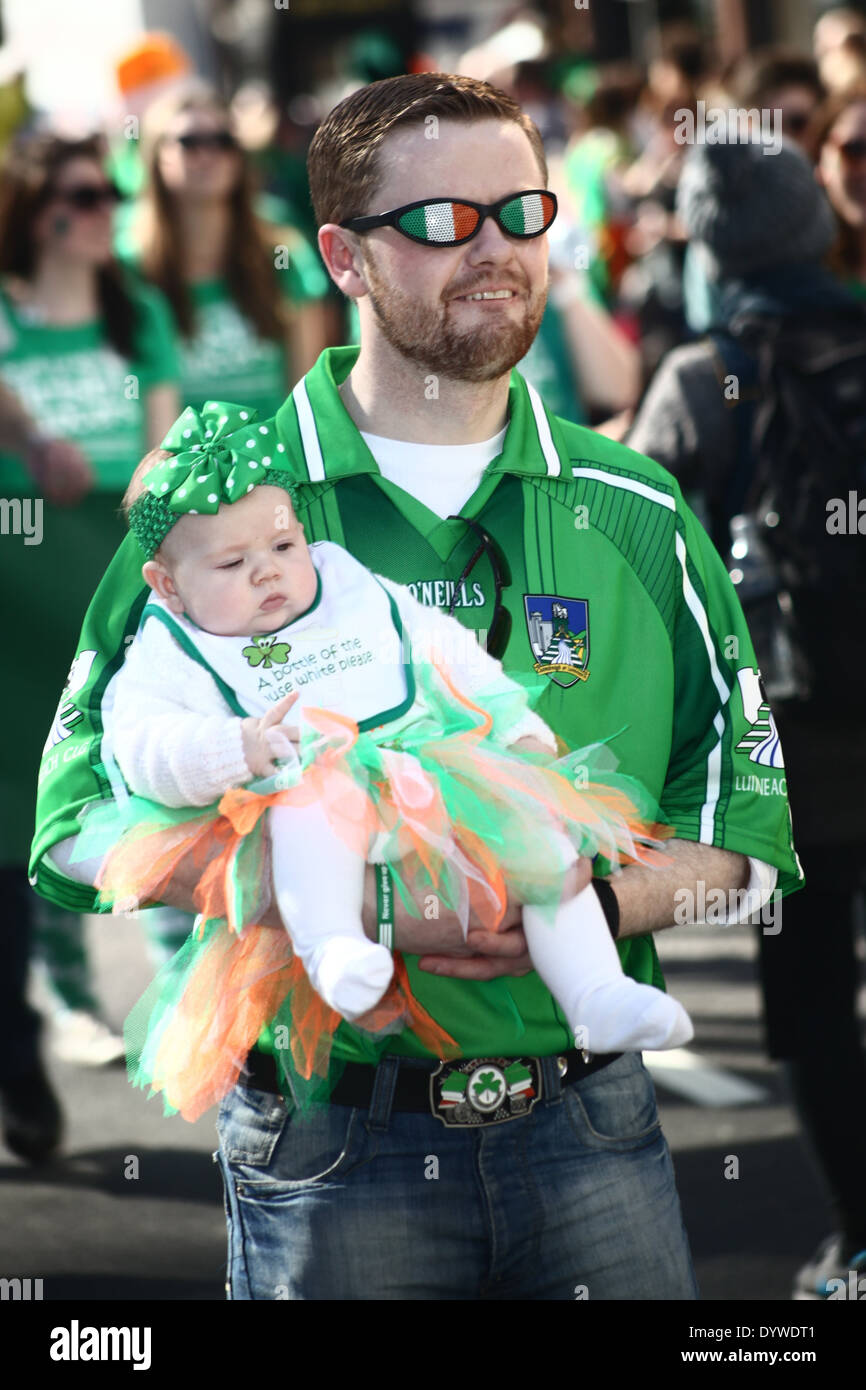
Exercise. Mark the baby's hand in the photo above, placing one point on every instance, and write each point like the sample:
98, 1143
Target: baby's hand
263, 741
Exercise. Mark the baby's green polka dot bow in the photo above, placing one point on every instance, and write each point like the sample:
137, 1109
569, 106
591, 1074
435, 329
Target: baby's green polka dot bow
221, 453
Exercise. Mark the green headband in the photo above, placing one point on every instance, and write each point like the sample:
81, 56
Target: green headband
221, 453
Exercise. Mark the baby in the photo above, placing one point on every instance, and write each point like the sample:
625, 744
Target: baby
247, 620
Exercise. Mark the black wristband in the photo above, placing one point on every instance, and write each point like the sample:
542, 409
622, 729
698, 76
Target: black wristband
609, 904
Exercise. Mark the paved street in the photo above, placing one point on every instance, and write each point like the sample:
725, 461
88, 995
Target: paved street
90, 1232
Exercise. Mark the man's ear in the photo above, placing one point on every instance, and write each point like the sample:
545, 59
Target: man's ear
155, 574
342, 256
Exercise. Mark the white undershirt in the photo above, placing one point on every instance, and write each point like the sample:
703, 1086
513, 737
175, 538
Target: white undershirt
442, 476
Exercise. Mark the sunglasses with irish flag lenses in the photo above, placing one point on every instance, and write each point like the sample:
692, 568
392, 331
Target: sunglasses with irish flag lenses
452, 221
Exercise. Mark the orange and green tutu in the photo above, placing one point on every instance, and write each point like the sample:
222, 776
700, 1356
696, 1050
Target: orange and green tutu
451, 811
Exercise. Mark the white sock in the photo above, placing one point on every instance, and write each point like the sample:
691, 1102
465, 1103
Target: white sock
606, 1010
350, 975
319, 888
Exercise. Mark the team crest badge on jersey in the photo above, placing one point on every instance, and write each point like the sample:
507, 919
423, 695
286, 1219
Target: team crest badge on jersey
559, 637
761, 739
68, 713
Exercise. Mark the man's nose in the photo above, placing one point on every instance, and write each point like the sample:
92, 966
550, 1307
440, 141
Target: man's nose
491, 243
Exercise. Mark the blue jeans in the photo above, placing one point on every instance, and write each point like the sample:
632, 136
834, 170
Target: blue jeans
574, 1200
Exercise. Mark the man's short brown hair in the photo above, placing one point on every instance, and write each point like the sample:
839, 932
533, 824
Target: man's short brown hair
343, 160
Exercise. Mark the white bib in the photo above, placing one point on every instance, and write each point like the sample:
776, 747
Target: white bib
344, 654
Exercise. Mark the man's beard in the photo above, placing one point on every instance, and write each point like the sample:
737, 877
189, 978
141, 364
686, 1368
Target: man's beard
428, 334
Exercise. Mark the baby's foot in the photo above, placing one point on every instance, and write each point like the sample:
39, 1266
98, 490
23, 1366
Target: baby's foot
350, 975
623, 1016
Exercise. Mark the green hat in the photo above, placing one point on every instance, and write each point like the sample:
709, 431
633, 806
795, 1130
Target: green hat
221, 453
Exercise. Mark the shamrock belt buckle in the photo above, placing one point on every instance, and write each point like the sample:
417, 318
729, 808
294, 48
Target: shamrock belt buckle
484, 1090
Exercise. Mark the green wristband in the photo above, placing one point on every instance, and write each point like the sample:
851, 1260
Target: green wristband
385, 905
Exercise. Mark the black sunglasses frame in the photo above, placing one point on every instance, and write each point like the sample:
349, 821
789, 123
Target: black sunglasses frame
88, 197
852, 151
500, 623
485, 210
208, 140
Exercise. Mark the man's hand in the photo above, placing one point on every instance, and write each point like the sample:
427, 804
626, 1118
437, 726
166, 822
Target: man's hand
492, 954
440, 944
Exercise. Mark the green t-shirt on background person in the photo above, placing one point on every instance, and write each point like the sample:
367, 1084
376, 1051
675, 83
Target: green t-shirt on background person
226, 359
547, 365
74, 386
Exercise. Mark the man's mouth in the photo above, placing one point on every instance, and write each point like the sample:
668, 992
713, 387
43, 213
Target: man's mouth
488, 294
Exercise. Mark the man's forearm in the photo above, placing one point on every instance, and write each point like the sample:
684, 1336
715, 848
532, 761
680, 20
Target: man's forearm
416, 935
646, 896
411, 934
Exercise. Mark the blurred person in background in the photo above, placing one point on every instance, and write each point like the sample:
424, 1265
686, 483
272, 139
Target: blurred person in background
756, 423
150, 69
88, 369
531, 83
837, 137
668, 91
14, 105
31, 1118
246, 295
651, 290
777, 78
601, 149
275, 142
837, 38
581, 362
846, 65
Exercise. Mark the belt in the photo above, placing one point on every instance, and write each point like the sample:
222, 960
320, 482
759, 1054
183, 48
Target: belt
468, 1091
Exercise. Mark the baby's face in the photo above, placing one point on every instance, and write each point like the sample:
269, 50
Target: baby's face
243, 571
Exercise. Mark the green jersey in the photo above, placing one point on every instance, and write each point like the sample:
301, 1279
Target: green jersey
616, 597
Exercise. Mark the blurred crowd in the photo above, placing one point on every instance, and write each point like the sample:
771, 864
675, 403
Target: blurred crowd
169, 257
